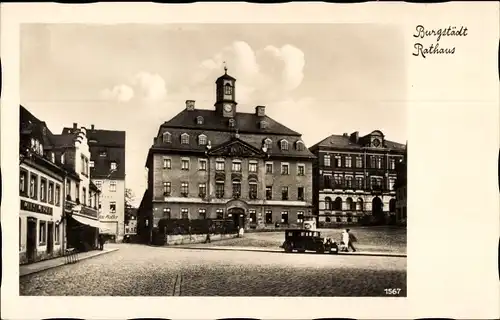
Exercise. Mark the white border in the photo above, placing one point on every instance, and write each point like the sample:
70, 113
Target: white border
453, 123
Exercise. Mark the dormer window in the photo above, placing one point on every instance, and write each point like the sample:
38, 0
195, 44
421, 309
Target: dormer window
300, 146
268, 143
202, 139
184, 138
52, 157
231, 122
33, 144
228, 89
103, 154
62, 158
91, 163
167, 137
40, 149
284, 145
113, 166
263, 124
199, 120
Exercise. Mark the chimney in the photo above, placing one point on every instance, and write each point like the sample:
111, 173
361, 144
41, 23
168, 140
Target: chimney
92, 127
345, 135
75, 125
190, 105
355, 137
260, 111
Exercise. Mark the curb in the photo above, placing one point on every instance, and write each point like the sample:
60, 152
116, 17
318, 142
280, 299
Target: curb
372, 254
63, 263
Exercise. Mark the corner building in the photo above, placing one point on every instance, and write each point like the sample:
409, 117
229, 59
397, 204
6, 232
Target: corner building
224, 164
354, 178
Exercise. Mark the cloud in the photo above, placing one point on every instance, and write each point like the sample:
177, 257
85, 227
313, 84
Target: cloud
122, 93
144, 85
294, 61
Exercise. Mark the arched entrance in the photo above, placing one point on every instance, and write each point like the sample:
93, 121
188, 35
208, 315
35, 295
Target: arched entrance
377, 209
392, 205
237, 211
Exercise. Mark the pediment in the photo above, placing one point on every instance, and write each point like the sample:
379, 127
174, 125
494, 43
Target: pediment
236, 148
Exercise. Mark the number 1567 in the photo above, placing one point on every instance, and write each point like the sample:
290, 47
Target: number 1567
392, 291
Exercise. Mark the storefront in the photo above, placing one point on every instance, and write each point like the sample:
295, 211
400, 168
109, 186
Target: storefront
82, 229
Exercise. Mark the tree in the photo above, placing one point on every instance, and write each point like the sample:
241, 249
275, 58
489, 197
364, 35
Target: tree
129, 207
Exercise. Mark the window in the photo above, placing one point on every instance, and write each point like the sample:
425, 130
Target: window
219, 214
184, 138
350, 204
112, 207
263, 124
337, 205
58, 195
98, 184
359, 162
202, 190
236, 166
184, 213
348, 182
184, 189
231, 122
359, 204
236, 189
284, 217
269, 167
300, 216
202, 165
376, 182
327, 181
43, 190
338, 161
300, 170
167, 137
252, 166
284, 168
77, 191
83, 165
23, 182
202, 213
167, 188
185, 164
269, 216
167, 213
51, 193
219, 189
359, 182
84, 196
52, 157
391, 183
338, 180
392, 163
284, 193
228, 89
112, 186
326, 160
42, 234
253, 215
268, 143
68, 188
202, 139
57, 233
199, 120
219, 165
373, 162
269, 193
252, 190
348, 161
284, 145
91, 163
167, 164
300, 193
328, 203
379, 162
300, 146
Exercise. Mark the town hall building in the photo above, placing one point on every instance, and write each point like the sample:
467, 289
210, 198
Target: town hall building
225, 164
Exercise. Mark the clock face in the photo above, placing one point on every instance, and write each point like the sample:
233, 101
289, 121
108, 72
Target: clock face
376, 142
228, 107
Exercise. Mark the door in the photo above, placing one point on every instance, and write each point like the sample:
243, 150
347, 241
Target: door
50, 238
31, 240
238, 216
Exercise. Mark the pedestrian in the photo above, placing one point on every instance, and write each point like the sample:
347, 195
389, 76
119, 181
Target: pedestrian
345, 240
101, 242
352, 239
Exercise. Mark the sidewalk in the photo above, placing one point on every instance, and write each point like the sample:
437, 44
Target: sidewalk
257, 249
57, 262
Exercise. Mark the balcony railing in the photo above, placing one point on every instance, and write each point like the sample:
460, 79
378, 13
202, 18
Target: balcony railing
236, 195
166, 193
184, 194
253, 195
219, 195
202, 195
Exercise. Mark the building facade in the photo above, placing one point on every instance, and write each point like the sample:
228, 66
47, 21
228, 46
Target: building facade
221, 164
401, 189
41, 183
107, 169
354, 178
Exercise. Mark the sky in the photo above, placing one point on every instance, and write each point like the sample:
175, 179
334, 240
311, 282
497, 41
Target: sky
317, 79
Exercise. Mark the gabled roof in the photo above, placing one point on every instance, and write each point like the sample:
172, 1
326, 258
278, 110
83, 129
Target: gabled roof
348, 142
244, 122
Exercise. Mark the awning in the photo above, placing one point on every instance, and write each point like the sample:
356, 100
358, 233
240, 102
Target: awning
87, 221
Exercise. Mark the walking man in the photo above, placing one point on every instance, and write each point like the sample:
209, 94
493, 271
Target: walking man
345, 240
352, 239
101, 242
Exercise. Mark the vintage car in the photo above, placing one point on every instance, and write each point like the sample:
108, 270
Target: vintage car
303, 240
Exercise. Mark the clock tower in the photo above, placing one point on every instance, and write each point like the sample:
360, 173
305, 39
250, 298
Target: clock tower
225, 104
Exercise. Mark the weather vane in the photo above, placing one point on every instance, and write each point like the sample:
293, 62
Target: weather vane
225, 67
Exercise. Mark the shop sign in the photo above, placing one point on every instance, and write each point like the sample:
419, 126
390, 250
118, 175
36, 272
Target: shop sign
33, 207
